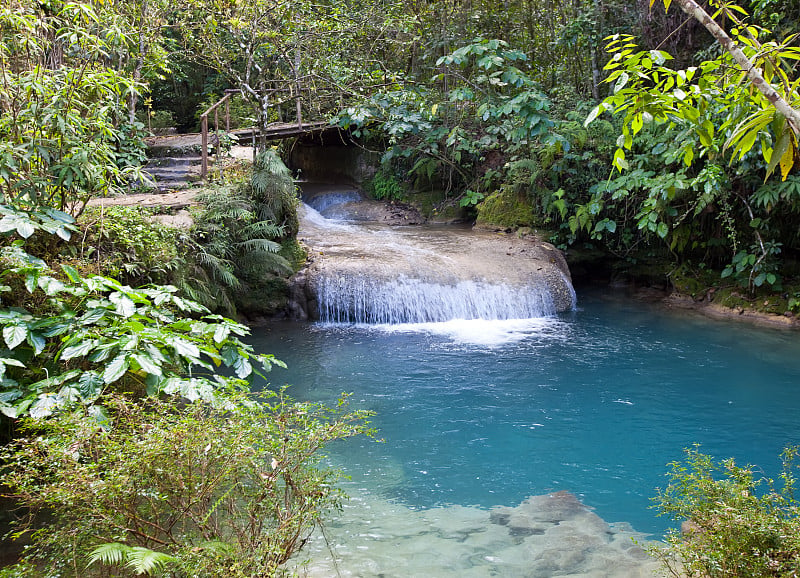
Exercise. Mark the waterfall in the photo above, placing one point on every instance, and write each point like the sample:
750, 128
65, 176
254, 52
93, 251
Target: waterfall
365, 299
377, 274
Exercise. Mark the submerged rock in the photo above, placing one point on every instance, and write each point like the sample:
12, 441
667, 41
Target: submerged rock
550, 535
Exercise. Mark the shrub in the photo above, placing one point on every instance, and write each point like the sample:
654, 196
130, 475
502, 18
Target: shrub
199, 490
736, 524
385, 186
127, 244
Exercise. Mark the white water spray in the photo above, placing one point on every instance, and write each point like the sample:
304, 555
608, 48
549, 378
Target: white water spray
371, 273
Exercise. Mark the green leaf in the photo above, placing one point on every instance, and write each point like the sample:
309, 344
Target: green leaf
110, 554
44, 406
125, 306
25, 229
688, 156
596, 111
116, 369
37, 342
71, 273
90, 385
621, 81
147, 364
221, 333
242, 367
619, 160
184, 348
80, 350
146, 561
637, 123
14, 335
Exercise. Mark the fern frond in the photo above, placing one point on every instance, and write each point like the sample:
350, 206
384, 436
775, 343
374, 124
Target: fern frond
146, 561
260, 260
264, 245
110, 554
138, 559
264, 229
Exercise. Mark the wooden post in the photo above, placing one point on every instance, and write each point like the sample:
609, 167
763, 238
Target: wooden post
216, 133
227, 113
204, 131
204, 145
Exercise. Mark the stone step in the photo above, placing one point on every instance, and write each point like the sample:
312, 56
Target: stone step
169, 173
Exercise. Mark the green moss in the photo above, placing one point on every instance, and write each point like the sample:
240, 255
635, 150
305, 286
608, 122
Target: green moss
506, 209
693, 281
294, 252
263, 297
732, 297
436, 205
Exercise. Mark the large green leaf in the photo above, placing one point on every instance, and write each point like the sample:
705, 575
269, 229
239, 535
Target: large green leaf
14, 335
116, 368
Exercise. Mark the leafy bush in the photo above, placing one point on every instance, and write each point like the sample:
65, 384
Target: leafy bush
385, 186
736, 524
68, 338
225, 490
127, 244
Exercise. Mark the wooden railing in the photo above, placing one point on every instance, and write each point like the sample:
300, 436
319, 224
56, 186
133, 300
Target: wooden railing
204, 128
279, 130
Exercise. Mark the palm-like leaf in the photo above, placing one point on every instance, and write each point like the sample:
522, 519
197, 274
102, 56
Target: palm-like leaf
138, 559
110, 554
146, 561
262, 245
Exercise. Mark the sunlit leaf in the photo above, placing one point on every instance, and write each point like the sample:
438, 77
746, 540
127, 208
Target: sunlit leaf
14, 335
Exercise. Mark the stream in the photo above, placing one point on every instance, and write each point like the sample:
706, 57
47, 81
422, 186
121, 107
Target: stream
527, 445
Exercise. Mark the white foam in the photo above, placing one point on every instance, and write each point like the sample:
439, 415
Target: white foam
484, 332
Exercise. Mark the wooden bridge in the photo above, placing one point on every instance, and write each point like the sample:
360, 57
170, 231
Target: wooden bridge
280, 130
273, 131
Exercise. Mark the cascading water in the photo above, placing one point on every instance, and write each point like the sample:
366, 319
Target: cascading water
371, 273
365, 299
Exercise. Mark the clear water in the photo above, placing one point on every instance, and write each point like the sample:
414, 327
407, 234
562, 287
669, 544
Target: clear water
595, 402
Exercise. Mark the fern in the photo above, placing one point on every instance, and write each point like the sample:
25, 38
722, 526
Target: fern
146, 561
263, 229
237, 235
262, 245
137, 559
110, 554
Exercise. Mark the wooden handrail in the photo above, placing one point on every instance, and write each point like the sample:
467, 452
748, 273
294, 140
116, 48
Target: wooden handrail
204, 129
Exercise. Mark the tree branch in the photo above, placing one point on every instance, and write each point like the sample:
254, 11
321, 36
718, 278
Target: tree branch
694, 10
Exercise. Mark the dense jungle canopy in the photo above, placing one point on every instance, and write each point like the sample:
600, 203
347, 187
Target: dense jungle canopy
483, 103
649, 138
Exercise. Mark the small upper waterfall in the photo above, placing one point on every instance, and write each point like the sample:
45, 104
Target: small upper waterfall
372, 273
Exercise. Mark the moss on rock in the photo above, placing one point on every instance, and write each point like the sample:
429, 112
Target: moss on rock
294, 252
505, 209
437, 206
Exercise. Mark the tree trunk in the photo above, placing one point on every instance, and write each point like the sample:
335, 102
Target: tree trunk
137, 71
754, 74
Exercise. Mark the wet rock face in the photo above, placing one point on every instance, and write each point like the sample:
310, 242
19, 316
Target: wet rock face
429, 273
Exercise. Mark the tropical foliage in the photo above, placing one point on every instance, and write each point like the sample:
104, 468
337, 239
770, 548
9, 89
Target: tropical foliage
736, 523
159, 488
681, 147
